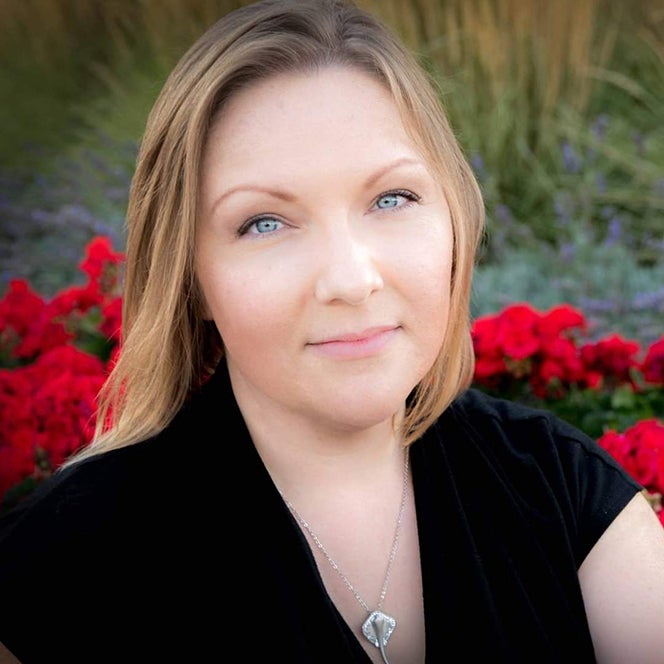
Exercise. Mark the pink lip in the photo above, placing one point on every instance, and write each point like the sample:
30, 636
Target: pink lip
356, 345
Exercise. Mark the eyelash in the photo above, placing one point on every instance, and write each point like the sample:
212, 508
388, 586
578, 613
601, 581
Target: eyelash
408, 195
405, 193
245, 228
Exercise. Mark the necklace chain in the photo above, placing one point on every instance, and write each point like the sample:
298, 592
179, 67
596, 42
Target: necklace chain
393, 551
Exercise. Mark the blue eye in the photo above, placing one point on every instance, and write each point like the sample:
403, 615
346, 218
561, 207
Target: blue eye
388, 201
262, 226
395, 199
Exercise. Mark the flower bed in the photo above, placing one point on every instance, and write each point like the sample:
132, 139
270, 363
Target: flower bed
55, 355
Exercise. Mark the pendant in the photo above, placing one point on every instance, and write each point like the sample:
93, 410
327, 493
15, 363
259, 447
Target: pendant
378, 628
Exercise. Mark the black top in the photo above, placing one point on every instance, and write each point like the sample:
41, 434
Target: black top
180, 548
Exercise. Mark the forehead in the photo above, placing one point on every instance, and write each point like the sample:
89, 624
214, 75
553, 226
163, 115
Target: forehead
308, 116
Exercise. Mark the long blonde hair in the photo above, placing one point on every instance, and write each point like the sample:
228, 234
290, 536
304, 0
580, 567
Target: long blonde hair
168, 349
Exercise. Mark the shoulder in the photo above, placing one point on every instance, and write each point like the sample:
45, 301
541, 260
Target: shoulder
83, 493
95, 495
95, 486
528, 435
542, 462
521, 427
89, 537
473, 403
140, 486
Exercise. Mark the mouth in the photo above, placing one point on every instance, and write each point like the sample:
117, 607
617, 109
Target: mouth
356, 345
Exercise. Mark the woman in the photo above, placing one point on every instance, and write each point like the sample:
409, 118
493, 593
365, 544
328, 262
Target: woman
291, 464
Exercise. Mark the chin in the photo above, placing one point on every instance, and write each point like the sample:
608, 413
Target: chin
365, 411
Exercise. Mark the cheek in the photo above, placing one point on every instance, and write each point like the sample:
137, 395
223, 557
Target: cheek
432, 321
433, 300
429, 285
248, 310
428, 262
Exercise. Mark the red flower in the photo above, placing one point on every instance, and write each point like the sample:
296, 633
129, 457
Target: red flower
20, 306
613, 357
47, 411
561, 319
101, 264
17, 461
517, 331
75, 299
652, 367
538, 349
560, 359
16, 453
617, 445
647, 440
489, 360
26, 323
111, 323
640, 451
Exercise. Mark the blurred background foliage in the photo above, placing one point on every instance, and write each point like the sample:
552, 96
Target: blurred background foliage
559, 106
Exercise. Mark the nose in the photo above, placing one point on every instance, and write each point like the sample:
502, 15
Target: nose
349, 270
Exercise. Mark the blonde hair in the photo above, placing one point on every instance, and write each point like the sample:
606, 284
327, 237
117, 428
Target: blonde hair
168, 349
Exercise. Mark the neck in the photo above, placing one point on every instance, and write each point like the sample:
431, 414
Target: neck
297, 449
302, 458
363, 464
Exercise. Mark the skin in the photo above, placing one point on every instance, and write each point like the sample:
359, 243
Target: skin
336, 310
6, 657
324, 255
622, 581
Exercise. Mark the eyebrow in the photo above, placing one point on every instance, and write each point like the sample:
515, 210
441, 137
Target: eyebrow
276, 193
289, 198
398, 163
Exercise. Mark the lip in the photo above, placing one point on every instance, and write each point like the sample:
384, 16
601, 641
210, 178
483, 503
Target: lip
356, 345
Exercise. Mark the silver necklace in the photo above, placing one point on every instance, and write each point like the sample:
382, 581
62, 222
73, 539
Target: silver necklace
378, 627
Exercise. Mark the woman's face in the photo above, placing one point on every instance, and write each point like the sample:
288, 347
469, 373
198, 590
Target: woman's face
324, 249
